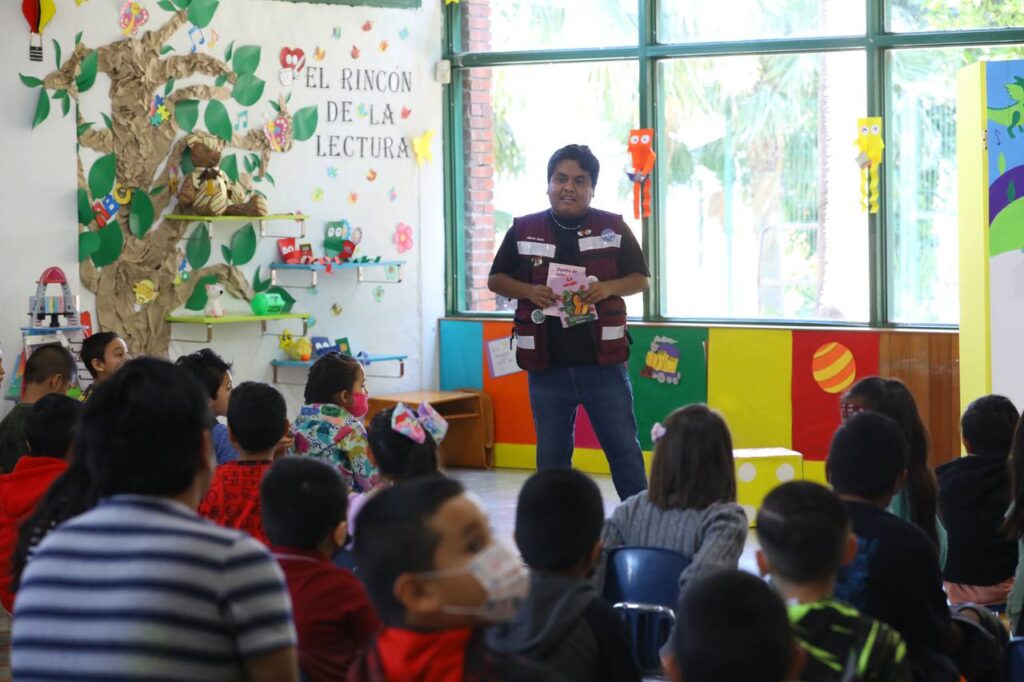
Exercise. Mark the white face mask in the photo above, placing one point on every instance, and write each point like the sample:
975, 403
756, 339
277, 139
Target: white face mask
503, 577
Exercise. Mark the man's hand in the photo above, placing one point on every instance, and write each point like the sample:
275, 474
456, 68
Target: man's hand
541, 295
597, 292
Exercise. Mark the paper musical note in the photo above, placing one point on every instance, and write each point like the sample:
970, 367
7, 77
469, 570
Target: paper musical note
242, 121
999, 139
202, 39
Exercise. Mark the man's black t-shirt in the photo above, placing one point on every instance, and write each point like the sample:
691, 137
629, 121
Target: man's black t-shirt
572, 346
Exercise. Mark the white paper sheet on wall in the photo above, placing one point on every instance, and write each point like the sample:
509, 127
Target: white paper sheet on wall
501, 357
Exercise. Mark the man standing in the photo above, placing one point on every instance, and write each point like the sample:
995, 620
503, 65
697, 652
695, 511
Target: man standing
583, 364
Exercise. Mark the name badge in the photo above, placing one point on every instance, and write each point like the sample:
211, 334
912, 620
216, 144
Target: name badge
542, 249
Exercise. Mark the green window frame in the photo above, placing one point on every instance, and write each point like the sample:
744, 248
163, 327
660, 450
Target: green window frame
875, 43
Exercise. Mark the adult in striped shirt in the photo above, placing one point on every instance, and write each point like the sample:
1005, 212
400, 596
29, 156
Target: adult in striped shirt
141, 588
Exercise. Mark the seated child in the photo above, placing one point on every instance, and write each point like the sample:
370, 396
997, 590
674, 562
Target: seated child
690, 506
304, 504
257, 420
436, 576
328, 426
974, 494
215, 375
50, 369
804, 532
103, 353
49, 429
735, 629
565, 624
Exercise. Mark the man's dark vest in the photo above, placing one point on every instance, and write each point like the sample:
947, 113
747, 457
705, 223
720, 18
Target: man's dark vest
600, 238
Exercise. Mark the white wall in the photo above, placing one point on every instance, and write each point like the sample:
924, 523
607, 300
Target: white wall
38, 176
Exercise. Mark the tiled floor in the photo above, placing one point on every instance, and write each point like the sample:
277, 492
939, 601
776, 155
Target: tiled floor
498, 490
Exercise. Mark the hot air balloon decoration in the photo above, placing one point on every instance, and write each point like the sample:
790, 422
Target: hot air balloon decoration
38, 14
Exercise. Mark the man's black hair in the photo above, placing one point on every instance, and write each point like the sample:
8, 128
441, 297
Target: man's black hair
144, 431
803, 529
95, 348
208, 367
257, 415
732, 626
47, 361
867, 456
581, 154
394, 537
559, 518
331, 374
302, 501
988, 424
50, 425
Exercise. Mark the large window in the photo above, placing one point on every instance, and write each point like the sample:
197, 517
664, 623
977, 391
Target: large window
757, 206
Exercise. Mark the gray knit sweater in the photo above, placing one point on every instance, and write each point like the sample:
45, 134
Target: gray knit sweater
712, 537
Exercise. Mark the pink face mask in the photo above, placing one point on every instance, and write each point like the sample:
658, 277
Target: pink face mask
360, 405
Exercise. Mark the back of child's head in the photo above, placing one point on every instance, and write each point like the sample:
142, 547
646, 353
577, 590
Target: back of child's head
47, 361
558, 519
867, 456
394, 536
399, 457
693, 464
145, 431
892, 398
331, 374
50, 425
988, 423
732, 626
803, 529
257, 416
95, 348
208, 367
302, 501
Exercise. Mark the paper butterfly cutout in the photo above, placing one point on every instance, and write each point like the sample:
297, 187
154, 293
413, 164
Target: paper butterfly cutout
132, 17
421, 147
416, 425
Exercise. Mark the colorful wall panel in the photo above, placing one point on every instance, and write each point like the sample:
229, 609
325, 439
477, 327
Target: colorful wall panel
462, 350
513, 423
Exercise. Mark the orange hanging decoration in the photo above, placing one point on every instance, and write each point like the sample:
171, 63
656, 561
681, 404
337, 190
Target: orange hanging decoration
642, 154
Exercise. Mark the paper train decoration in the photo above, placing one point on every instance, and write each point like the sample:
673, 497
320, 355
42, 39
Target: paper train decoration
642, 155
869, 145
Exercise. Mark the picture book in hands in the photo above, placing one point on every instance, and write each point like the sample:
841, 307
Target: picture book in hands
569, 283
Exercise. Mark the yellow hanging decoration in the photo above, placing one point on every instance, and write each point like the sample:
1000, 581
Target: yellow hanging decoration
421, 147
451, 2
870, 145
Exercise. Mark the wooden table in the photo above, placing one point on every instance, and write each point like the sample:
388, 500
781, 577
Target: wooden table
467, 443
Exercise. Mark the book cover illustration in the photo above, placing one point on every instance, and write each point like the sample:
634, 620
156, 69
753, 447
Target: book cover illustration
569, 283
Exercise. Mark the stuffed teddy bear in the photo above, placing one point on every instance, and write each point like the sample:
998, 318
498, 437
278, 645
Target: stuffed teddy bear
208, 190
214, 308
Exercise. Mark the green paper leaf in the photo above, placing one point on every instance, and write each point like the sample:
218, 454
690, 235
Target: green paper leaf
88, 244
270, 178
107, 121
257, 178
84, 126
156, 190
187, 166
30, 81
166, 5
140, 219
289, 300
78, 37
221, 80
243, 245
288, 98
42, 108
85, 215
87, 71
229, 51
186, 113
111, 241
259, 285
165, 50
101, 176
304, 123
217, 120
182, 4
200, 12
229, 164
248, 164
225, 253
275, 105
65, 101
198, 299
246, 59
198, 248
248, 89
168, 87
56, 54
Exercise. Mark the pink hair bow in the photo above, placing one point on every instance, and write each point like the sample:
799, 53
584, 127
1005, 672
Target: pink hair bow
657, 432
416, 425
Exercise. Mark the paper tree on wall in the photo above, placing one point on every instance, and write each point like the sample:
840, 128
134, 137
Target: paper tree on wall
141, 150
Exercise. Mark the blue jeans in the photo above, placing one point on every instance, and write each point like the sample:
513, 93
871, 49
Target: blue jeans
606, 394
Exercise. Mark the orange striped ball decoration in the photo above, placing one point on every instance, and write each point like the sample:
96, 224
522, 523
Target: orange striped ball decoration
834, 368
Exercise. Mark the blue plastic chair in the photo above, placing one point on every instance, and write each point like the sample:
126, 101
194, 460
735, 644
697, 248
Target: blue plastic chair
643, 585
1015, 659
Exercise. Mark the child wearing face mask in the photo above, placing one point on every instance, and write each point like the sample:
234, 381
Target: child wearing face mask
436, 577
328, 425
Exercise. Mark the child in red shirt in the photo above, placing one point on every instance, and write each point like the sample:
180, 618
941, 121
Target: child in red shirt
257, 427
304, 509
